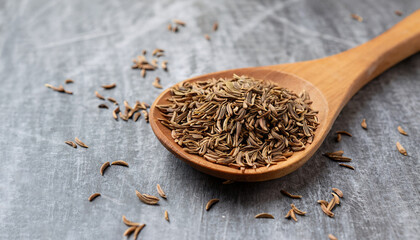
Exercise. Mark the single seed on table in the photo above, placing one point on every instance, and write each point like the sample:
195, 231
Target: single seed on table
323, 202
338, 192
331, 204
175, 29
156, 83
332, 237
103, 106
401, 149
129, 223
207, 37
227, 182
138, 229
345, 133
148, 199
129, 231
364, 124
211, 202
215, 26
336, 198
154, 63
357, 17
402, 131
99, 95
170, 27
338, 139
113, 100
326, 211
398, 13
179, 22
109, 86
284, 192
80, 143
143, 52
166, 216
347, 166
93, 196
120, 163
264, 215
157, 50
146, 115
114, 113
337, 157
58, 89
123, 116
136, 116
164, 65
143, 73
70, 143
293, 216
160, 55
104, 167
296, 210
68, 81
160, 191
288, 213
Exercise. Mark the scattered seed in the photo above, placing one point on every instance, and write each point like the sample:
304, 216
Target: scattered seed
143, 73
129, 223
357, 17
129, 231
337, 156
293, 216
109, 86
398, 13
326, 211
157, 50
170, 27
164, 65
123, 116
296, 210
136, 116
401, 149
115, 112
120, 163
228, 182
211, 202
402, 131
166, 216
345, 133
207, 37
264, 215
158, 55
215, 26
70, 143
58, 89
143, 52
364, 125
347, 166
146, 115
80, 143
99, 95
103, 106
284, 192
148, 199
93, 196
336, 198
160, 191
331, 204
104, 167
156, 83
338, 192
113, 100
179, 22
175, 29
68, 81
338, 139
138, 229
323, 202
332, 237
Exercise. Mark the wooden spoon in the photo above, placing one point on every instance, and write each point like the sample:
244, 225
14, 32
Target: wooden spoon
330, 82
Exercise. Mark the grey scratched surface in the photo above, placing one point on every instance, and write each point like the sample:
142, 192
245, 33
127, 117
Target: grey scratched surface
44, 184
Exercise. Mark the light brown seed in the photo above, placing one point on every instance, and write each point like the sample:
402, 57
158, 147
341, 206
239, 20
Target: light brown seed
70, 143
129, 231
401, 149
338, 192
332, 237
157, 50
179, 22
215, 26
211, 202
123, 116
138, 229
357, 17
99, 95
402, 131
207, 37
104, 167
398, 13
148, 199
288, 213
143, 73
58, 89
156, 83
120, 163
336, 198
68, 81
80, 143
293, 216
164, 65
364, 124
113, 100
160, 55
284, 192
115, 112
345, 133
175, 29
296, 210
326, 211
109, 86
166, 216
143, 52
264, 215
129, 223
146, 115
136, 116
331, 204
103, 106
93, 196
338, 139
170, 27
323, 202
227, 182
160, 191
347, 166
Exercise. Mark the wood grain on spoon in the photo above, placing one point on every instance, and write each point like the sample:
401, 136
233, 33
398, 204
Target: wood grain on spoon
330, 82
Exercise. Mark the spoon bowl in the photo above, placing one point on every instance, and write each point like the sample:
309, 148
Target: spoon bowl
330, 82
